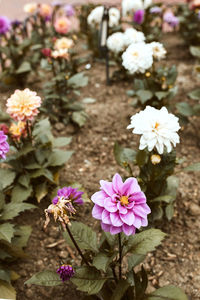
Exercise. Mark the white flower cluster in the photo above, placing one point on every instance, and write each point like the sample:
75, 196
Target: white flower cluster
129, 6
159, 52
158, 129
95, 17
119, 41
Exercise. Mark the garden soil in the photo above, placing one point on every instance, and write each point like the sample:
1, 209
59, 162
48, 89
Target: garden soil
177, 261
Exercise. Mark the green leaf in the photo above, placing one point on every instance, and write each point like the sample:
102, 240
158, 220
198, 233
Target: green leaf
169, 292
42, 132
169, 211
110, 238
195, 51
24, 68
102, 260
130, 93
161, 95
164, 198
78, 80
61, 141
22, 236
195, 95
20, 193
88, 279
144, 95
84, 236
88, 100
141, 158
184, 109
43, 172
172, 186
192, 168
7, 291
6, 232
58, 157
7, 177
120, 290
45, 278
12, 210
134, 260
79, 117
41, 191
4, 275
24, 180
144, 242
124, 155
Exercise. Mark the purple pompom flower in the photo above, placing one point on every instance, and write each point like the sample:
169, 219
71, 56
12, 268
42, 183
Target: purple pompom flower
4, 147
69, 10
138, 16
121, 206
65, 272
5, 24
171, 19
156, 10
69, 193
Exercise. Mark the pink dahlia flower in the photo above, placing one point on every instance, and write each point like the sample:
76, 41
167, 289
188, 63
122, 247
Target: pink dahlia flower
121, 206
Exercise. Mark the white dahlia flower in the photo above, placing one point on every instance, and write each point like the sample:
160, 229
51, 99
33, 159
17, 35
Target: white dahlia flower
96, 15
131, 36
115, 42
157, 128
137, 58
159, 52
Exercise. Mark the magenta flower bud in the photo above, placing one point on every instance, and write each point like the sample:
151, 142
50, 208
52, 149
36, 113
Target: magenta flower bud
4, 147
5, 24
138, 16
65, 272
121, 206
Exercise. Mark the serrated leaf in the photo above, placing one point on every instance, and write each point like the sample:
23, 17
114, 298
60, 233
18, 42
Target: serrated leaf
102, 260
4, 275
192, 168
42, 132
7, 232
184, 109
85, 237
172, 186
61, 141
45, 278
41, 191
43, 172
24, 68
195, 51
124, 155
169, 211
58, 157
7, 291
144, 242
169, 292
134, 260
88, 279
22, 236
12, 210
164, 198
7, 177
195, 95
161, 95
144, 95
120, 290
24, 180
79, 117
20, 193
78, 80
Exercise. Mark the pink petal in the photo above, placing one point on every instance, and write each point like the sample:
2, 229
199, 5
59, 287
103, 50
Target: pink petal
146, 208
144, 222
106, 217
117, 183
138, 210
107, 187
137, 222
128, 218
115, 219
97, 212
131, 205
109, 205
105, 227
98, 198
130, 186
122, 209
138, 197
115, 230
128, 230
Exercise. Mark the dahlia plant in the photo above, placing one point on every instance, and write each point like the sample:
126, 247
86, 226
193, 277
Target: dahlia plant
35, 158
103, 272
156, 158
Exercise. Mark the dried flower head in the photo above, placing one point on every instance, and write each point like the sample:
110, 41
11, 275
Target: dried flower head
23, 105
18, 130
62, 205
65, 272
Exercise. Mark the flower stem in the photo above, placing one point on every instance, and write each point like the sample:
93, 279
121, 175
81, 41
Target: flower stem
120, 255
76, 245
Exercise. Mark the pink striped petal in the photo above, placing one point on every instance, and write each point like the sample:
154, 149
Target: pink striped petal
128, 230
109, 205
106, 217
107, 187
138, 210
97, 212
122, 209
137, 222
128, 218
105, 227
115, 219
115, 230
117, 183
98, 198
130, 186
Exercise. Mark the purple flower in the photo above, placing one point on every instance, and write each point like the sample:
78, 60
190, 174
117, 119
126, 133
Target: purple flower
138, 16
69, 10
69, 193
121, 206
156, 10
5, 24
65, 272
171, 19
4, 147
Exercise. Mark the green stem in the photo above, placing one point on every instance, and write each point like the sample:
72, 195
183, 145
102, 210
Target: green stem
76, 245
120, 255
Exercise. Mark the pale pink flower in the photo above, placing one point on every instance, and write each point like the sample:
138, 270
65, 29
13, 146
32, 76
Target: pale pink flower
62, 25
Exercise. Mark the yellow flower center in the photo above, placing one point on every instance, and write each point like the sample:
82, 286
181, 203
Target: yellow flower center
156, 126
135, 54
124, 200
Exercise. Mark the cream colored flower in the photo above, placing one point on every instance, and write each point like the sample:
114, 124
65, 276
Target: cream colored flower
155, 159
23, 105
63, 43
30, 8
159, 52
61, 53
131, 36
115, 42
45, 10
17, 130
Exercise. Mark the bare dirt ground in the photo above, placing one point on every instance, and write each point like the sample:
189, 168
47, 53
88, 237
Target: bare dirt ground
177, 261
